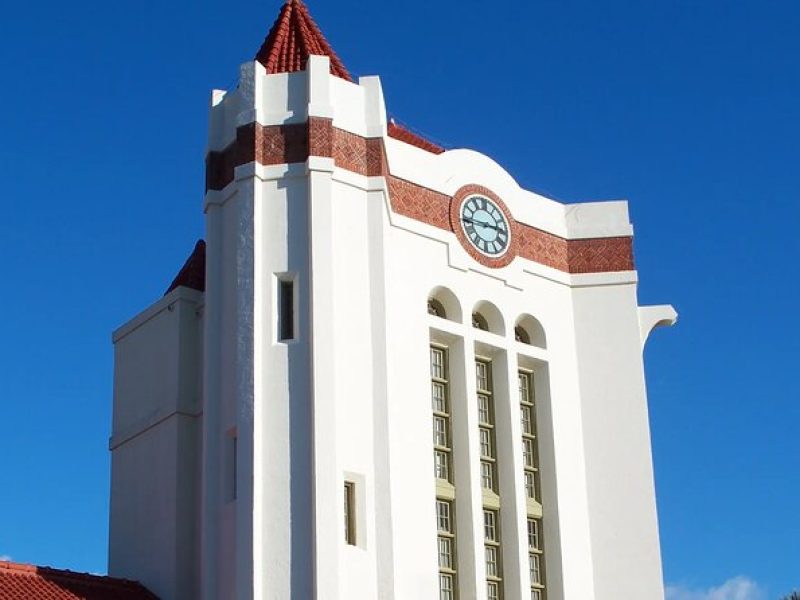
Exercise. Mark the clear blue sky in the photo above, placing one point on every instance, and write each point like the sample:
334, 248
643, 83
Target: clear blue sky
689, 109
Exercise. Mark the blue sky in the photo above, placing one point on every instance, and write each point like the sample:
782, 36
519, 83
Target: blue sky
689, 109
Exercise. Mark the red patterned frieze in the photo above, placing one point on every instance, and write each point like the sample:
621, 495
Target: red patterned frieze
419, 203
280, 144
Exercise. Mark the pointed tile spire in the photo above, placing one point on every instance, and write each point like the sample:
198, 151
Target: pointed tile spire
293, 37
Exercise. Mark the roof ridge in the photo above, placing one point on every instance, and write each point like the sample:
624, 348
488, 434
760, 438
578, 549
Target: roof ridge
405, 134
35, 570
293, 37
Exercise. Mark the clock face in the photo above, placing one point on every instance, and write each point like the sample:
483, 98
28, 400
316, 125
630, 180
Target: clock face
485, 225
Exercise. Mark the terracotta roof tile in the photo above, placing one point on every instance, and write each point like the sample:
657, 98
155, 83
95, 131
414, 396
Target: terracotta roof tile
398, 132
193, 272
29, 582
293, 38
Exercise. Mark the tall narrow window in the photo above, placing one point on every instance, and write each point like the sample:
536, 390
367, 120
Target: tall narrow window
486, 433
446, 540
536, 559
443, 472
286, 309
349, 513
530, 465
491, 541
530, 460
442, 451
488, 472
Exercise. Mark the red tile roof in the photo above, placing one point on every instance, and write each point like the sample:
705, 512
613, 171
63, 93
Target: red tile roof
293, 37
28, 582
193, 272
399, 132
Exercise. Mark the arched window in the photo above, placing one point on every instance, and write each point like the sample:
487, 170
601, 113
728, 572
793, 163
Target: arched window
487, 317
436, 308
479, 322
529, 330
443, 303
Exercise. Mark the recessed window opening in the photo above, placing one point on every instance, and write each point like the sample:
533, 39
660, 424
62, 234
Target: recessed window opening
446, 546
491, 541
349, 513
286, 308
487, 316
486, 425
532, 482
443, 303
528, 330
479, 322
436, 308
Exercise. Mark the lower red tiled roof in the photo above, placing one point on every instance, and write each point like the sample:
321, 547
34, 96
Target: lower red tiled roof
29, 582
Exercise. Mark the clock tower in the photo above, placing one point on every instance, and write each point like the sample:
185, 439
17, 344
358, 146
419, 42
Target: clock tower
388, 372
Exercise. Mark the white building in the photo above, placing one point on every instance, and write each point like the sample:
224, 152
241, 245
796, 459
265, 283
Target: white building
391, 373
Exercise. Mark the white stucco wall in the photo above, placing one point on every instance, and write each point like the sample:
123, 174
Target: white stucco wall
349, 399
155, 445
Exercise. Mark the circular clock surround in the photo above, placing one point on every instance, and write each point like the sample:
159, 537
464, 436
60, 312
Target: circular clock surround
483, 225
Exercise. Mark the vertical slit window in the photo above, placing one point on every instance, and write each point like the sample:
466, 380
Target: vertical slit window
349, 513
286, 313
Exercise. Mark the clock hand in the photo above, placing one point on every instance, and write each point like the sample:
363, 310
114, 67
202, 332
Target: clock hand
481, 223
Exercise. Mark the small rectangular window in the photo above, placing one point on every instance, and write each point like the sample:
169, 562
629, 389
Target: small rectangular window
441, 465
493, 591
533, 535
489, 526
446, 587
535, 569
487, 475
443, 516
439, 397
445, 553
286, 309
349, 513
491, 561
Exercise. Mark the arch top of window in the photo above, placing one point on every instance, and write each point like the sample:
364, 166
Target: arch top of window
487, 317
436, 308
443, 303
480, 322
529, 330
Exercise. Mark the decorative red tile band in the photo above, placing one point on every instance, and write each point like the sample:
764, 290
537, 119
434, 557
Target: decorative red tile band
282, 144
